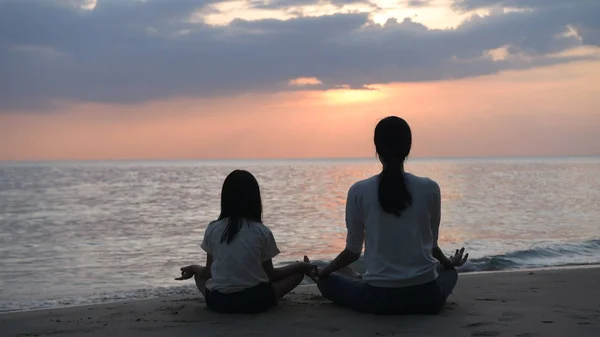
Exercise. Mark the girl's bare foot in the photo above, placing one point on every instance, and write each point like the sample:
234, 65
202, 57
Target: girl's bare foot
314, 273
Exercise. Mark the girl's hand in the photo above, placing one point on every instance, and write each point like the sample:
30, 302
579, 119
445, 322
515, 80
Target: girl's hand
458, 259
307, 268
313, 271
186, 273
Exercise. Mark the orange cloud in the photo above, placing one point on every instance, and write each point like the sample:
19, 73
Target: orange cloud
304, 81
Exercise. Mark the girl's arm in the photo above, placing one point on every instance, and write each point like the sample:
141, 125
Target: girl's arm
206, 245
269, 251
206, 274
197, 270
275, 274
202, 272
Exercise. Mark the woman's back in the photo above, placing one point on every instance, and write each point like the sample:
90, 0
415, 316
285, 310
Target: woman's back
398, 250
397, 216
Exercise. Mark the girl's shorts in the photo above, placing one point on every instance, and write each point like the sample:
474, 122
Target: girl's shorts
252, 300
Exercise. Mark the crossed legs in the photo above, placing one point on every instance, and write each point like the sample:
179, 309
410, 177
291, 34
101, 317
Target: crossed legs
282, 286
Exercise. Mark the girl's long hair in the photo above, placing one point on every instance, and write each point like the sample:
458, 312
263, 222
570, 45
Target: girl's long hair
240, 200
393, 141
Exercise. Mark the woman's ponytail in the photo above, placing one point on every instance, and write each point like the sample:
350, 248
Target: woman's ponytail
393, 140
393, 193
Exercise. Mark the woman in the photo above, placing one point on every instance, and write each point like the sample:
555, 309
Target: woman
397, 214
239, 276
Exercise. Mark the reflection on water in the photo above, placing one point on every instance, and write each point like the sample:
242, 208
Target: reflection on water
95, 227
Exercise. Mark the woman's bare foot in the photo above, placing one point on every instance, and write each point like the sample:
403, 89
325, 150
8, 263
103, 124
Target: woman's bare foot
349, 272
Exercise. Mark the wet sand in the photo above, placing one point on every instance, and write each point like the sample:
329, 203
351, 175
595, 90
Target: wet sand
536, 303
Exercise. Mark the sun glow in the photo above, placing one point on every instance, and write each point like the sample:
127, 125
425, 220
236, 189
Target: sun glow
352, 96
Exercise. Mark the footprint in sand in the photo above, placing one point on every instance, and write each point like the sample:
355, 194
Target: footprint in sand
481, 332
509, 316
487, 299
580, 317
331, 329
484, 333
478, 325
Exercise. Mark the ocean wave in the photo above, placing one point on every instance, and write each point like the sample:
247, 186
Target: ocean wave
544, 256
558, 255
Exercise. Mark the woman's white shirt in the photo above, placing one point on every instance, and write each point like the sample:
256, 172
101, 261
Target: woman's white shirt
398, 250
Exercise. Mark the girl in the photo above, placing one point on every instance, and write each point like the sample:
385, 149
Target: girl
239, 276
398, 215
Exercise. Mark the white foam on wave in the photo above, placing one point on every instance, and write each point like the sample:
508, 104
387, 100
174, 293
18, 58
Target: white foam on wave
104, 298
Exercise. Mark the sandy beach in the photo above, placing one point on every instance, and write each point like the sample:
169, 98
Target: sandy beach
523, 304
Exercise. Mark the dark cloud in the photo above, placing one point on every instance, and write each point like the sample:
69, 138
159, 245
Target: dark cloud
529, 4
419, 3
288, 4
130, 51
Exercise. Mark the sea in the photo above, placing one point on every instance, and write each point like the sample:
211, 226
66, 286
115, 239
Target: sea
88, 232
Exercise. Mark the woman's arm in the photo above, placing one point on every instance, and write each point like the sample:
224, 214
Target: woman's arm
444, 261
344, 259
458, 259
354, 239
435, 212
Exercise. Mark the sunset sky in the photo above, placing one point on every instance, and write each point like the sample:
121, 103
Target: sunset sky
160, 79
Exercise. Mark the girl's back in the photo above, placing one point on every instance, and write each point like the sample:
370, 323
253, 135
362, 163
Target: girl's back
239, 276
237, 265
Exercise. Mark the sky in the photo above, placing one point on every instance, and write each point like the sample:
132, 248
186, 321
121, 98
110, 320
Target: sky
192, 79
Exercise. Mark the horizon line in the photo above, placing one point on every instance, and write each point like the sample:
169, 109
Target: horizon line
294, 159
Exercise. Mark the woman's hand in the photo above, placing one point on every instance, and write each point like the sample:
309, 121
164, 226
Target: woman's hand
458, 259
186, 273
